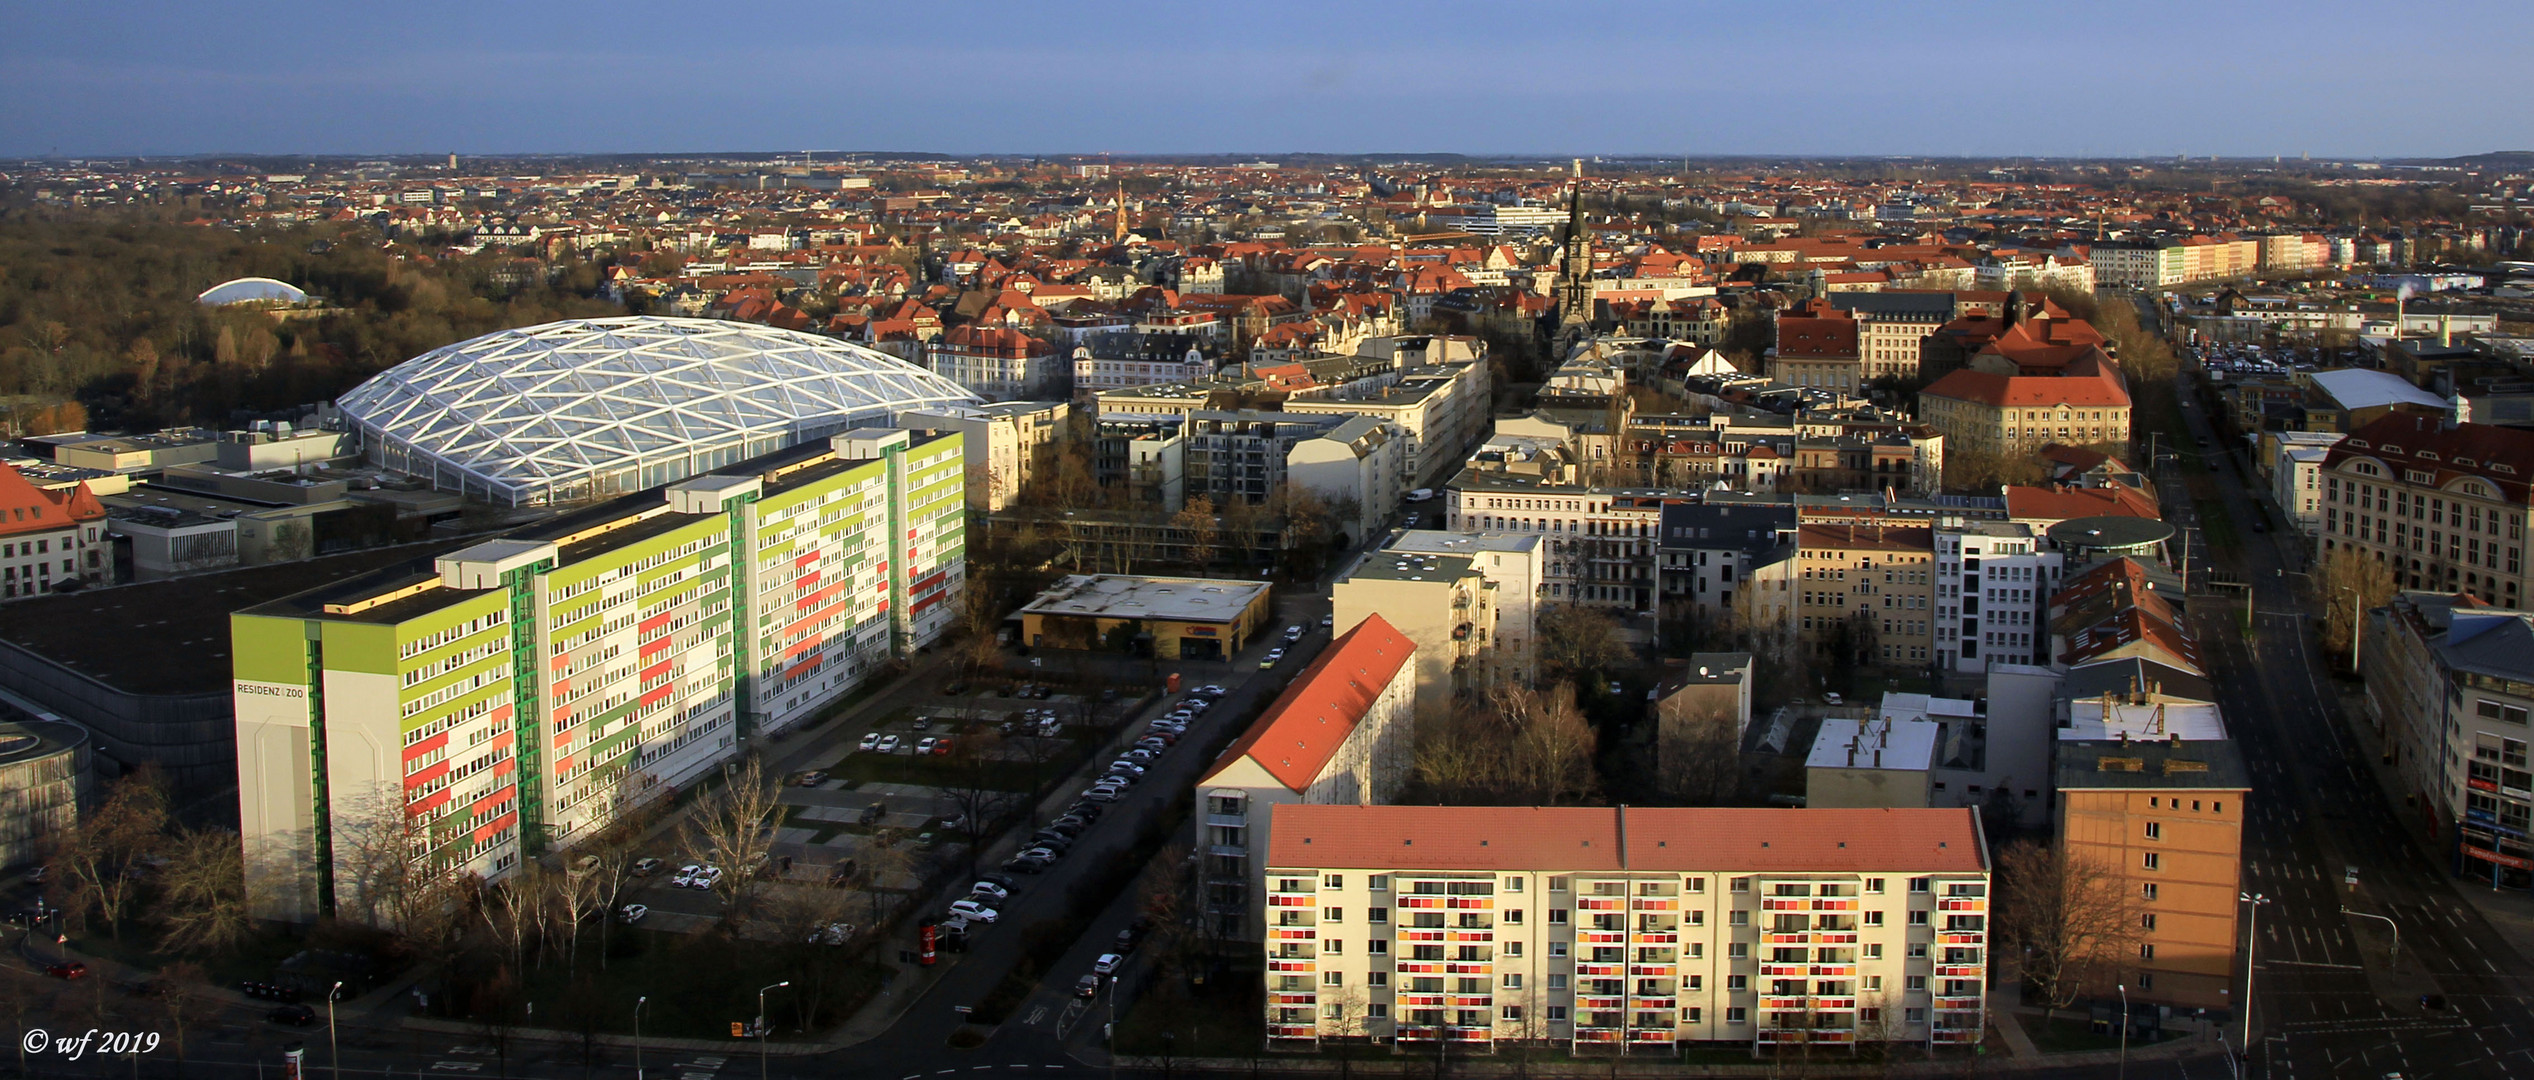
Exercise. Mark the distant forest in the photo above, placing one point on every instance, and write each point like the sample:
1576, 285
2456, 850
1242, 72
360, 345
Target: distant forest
99, 328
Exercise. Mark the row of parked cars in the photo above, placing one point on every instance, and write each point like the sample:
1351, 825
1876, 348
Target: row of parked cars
888, 744
1156, 740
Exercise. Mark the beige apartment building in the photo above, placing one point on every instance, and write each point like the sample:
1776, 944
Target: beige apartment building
1443, 603
1625, 928
2020, 414
1872, 585
2446, 505
2167, 817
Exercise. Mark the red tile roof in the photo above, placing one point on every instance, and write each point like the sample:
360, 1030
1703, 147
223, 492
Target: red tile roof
26, 508
1295, 737
1605, 838
2503, 457
1995, 390
2062, 503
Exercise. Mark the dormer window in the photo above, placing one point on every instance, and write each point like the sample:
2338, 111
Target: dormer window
2426, 455
2392, 449
2465, 461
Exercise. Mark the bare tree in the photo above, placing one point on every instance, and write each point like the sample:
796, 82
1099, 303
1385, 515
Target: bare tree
1196, 522
203, 904
978, 803
23, 996
1577, 642
732, 828
2346, 571
2067, 915
1553, 744
573, 895
1698, 747
181, 999
102, 856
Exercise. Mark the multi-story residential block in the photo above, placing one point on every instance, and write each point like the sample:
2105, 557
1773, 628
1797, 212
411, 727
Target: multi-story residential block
1818, 348
1893, 327
1339, 734
1622, 928
2451, 685
2019, 414
1000, 363
1709, 551
50, 538
1115, 361
2165, 816
1600, 541
1004, 443
1515, 566
1443, 603
1994, 581
2445, 505
1867, 592
1355, 468
518, 693
1437, 410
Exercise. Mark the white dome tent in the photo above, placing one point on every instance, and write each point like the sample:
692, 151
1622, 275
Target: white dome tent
588, 408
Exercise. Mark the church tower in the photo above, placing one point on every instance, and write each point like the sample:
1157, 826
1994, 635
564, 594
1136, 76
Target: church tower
1575, 271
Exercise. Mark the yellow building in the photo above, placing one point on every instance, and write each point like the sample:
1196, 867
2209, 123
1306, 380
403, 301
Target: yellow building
1169, 618
2166, 817
1873, 583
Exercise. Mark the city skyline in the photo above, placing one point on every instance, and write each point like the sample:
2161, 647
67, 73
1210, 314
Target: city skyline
1987, 80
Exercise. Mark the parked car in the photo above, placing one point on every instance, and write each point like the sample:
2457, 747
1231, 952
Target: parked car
69, 969
1105, 793
923, 723
709, 878
686, 875
1130, 768
813, 778
1089, 811
1029, 862
870, 739
268, 991
1328, 620
293, 1015
1087, 987
633, 913
999, 880
1107, 964
834, 933
1039, 691
1273, 657
925, 746
989, 891
973, 911
1210, 690
646, 867
941, 746
872, 814
887, 744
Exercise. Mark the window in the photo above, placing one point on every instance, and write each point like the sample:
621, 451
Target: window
2147, 891
1557, 948
1737, 982
1738, 951
1377, 978
1513, 980
1914, 1016
2147, 920
1513, 948
1513, 884
1918, 918
1333, 947
2155, 830
1696, 916
1557, 916
1512, 1012
1377, 1011
2147, 951
1735, 1013
1920, 884
1696, 885
2149, 861
1873, 885
1742, 884
1378, 882
1739, 918
1917, 950
1377, 916
1914, 982
1697, 950
1513, 916
1332, 881
1874, 918
1377, 947
1873, 982
1874, 951
1333, 914
1332, 978
1557, 1013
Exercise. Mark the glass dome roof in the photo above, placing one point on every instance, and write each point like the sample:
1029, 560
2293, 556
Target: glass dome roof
587, 408
248, 290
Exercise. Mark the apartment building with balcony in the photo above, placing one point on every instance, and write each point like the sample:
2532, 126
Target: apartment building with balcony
1625, 929
2451, 685
1600, 541
1339, 734
1994, 581
516, 694
1443, 603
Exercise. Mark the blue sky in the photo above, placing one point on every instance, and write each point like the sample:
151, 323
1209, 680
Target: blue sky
2146, 78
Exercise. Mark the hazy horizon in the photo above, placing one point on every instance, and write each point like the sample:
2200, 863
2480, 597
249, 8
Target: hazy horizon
2144, 81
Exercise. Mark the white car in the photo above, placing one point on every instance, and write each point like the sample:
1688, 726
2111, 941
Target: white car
1107, 964
1105, 793
1328, 620
632, 913
1294, 632
686, 875
974, 911
887, 744
870, 739
709, 878
926, 746
834, 933
990, 891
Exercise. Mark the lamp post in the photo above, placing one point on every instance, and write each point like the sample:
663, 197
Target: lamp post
2357, 615
334, 1052
638, 1004
2395, 956
763, 1028
2124, 1030
2252, 952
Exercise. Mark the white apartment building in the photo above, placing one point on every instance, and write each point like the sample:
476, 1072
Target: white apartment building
1993, 586
1515, 566
1625, 928
1339, 734
1600, 542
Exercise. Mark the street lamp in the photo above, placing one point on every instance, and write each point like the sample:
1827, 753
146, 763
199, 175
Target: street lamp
2395, 956
2124, 1030
334, 1052
763, 1028
2252, 952
638, 1004
2356, 617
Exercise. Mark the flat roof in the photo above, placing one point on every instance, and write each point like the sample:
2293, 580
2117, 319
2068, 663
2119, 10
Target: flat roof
1881, 744
1444, 541
185, 621
1396, 565
2089, 719
1122, 596
2151, 763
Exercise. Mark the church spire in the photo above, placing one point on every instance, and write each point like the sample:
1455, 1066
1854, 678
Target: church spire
1575, 269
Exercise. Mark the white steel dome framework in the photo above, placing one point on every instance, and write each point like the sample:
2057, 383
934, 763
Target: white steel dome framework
588, 408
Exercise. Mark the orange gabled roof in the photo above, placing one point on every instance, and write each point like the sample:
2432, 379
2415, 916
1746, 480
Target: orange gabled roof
26, 508
1305, 725
1608, 838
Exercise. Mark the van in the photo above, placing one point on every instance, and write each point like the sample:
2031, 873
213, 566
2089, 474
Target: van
1420, 494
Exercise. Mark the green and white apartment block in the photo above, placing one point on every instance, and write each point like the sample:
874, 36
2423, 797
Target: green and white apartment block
511, 697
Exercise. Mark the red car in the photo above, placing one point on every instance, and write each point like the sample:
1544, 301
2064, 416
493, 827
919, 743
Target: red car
70, 970
941, 747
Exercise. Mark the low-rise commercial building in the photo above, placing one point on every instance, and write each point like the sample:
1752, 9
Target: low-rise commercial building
1168, 617
1625, 928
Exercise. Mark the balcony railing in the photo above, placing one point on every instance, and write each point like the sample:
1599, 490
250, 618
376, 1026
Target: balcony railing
1960, 971
1798, 937
1650, 1035
1293, 1031
1655, 903
1962, 904
1970, 1003
1962, 937
1658, 937
1602, 937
